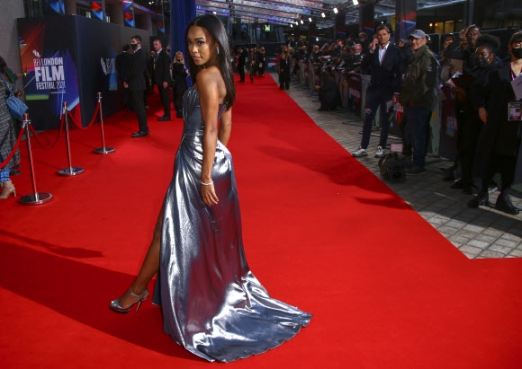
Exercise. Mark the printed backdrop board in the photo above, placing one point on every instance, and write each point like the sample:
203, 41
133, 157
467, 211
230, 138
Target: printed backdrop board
70, 59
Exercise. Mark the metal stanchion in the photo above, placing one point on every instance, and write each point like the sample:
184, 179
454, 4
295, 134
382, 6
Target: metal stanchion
36, 198
103, 149
71, 171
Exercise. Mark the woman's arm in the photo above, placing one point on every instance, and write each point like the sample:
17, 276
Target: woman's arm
208, 88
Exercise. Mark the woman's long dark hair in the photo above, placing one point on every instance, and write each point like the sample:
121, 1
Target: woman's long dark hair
215, 27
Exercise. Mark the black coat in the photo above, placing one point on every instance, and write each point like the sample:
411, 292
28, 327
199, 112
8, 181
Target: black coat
499, 136
137, 71
179, 78
387, 74
123, 63
161, 68
329, 94
284, 69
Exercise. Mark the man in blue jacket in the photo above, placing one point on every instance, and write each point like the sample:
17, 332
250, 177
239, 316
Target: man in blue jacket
384, 61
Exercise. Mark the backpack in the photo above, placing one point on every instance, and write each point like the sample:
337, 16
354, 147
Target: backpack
393, 168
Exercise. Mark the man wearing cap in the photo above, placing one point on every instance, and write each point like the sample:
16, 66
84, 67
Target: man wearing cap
417, 96
384, 60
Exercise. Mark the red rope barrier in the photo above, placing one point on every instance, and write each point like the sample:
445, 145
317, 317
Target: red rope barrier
92, 120
15, 147
55, 141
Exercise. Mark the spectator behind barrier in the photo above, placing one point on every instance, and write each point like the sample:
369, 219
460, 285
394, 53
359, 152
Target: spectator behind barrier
329, 94
499, 146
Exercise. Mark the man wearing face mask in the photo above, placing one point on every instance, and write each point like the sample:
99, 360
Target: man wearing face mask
499, 146
136, 82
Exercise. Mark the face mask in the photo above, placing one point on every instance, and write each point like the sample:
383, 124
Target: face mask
517, 53
134, 46
357, 54
482, 62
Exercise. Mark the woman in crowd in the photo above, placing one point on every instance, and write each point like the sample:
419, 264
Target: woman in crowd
212, 304
329, 94
179, 81
499, 147
7, 133
284, 69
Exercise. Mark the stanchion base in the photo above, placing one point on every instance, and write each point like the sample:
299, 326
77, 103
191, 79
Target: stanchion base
104, 150
70, 171
37, 199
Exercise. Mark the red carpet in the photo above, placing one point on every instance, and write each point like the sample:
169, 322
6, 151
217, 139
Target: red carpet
320, 232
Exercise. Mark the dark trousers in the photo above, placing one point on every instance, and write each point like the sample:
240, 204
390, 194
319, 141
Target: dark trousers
178, 97
241, 70
468, 135
284, 84
165, 99
378, 96
138, 98
416, 132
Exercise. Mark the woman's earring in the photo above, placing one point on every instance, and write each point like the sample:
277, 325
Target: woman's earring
218, 50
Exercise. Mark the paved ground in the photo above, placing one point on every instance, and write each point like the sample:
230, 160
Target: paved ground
478, 233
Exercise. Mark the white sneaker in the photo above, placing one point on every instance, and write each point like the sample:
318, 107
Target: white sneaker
380, 152
360, 152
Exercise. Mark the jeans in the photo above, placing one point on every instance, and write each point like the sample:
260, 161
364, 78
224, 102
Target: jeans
378, 96
416, 132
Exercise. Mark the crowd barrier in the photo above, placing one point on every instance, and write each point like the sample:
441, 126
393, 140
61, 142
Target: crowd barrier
354, 90
38, 198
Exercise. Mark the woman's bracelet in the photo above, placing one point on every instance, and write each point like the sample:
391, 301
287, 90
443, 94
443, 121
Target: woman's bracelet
207, 184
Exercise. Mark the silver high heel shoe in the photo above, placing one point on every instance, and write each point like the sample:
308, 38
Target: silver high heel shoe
115, 304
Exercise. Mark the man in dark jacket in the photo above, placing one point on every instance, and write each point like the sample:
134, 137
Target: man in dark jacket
385, 62
417, 96
123, 62
161, 70
241, 61
137, 83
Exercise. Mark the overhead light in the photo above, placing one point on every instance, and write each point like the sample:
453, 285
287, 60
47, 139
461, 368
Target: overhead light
310, 19
323, 15
214, 13
336, 11
296, 23
302, 21
317, 39
355, 2
291, 26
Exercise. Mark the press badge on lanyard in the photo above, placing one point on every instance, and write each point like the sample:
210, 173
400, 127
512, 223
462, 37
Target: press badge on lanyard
514, 111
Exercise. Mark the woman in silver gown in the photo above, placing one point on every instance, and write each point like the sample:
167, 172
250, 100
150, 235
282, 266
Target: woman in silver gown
212, 303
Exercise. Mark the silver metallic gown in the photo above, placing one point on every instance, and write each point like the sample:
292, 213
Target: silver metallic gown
212, 303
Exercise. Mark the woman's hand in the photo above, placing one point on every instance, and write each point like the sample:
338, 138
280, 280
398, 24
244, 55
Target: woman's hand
209, 194
483, 115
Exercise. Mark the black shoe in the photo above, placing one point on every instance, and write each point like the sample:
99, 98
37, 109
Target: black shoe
139, 134
14, 172
147, 107
179, 115
504, 204
481, 199
164, 118
459, 185
414, 170
321, 109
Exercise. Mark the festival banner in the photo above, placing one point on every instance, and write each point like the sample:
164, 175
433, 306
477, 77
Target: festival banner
406, 18
61, 69
128, 13
160, 20
97, 9
54, 7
